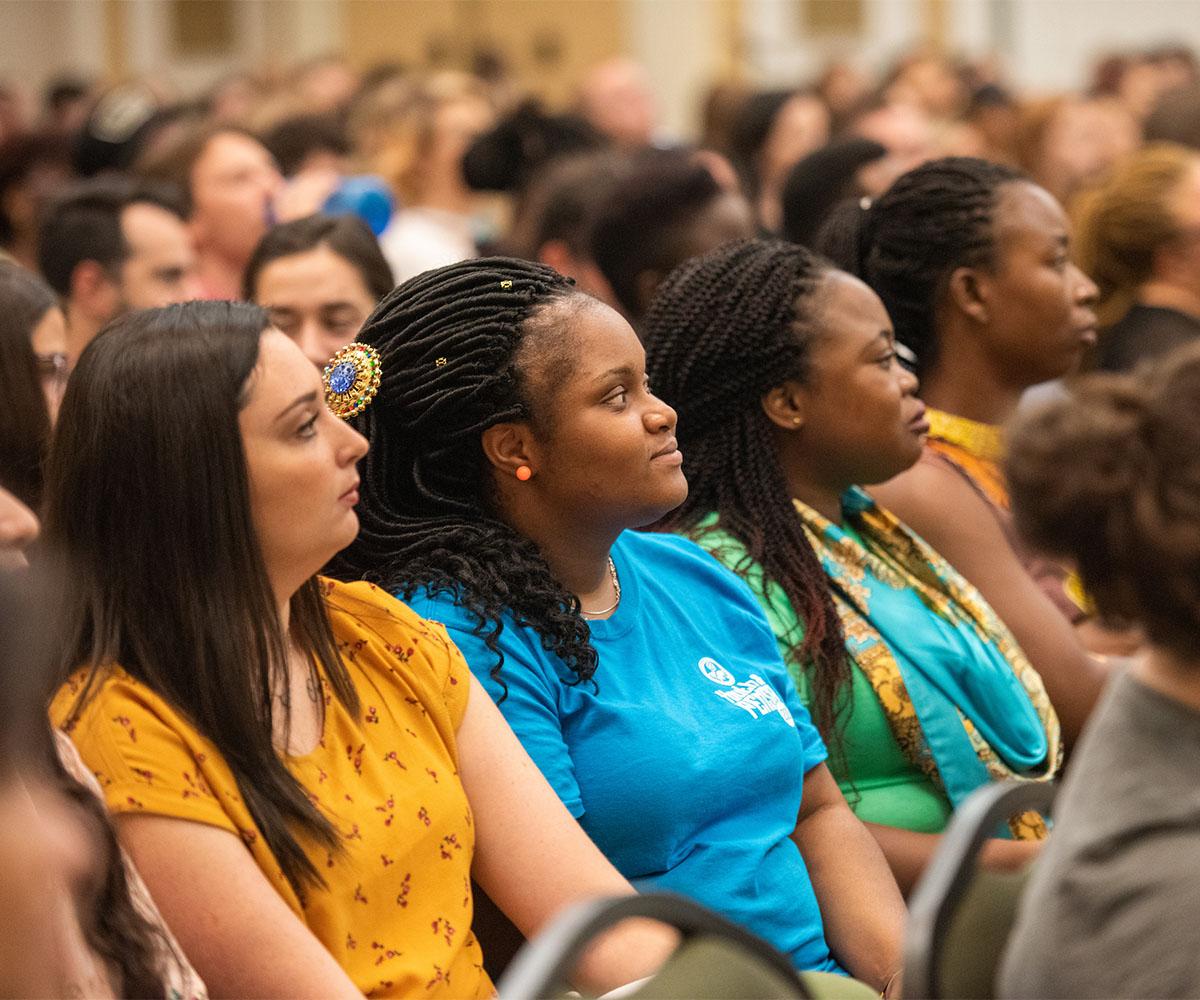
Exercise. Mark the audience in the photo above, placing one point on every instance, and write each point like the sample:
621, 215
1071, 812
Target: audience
318, 279
110, 245
972, 262
1109, 480
313, 743
920, 691
516, 446
246, 718
1139, 238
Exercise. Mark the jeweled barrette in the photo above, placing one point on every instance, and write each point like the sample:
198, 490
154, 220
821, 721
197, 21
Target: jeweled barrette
351, 380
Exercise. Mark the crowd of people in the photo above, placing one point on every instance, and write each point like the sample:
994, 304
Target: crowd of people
421, 510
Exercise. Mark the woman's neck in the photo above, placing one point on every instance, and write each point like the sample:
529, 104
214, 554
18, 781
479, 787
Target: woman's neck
576, 554
967, 391
1171, 675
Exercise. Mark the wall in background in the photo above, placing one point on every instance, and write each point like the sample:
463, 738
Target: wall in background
685, 44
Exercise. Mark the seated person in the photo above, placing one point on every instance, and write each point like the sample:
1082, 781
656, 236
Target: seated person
77, 920
790, 395
1109, 480
315, 744
516, 444
972, 263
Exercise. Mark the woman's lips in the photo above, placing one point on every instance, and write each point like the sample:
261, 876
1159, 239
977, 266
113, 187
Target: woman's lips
670, 455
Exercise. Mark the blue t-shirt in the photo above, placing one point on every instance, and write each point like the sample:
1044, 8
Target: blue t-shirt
686, 763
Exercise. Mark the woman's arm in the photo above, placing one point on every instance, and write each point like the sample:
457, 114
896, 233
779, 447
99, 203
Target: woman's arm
234, 927
860, 903
908, 853
531, 856
947, 513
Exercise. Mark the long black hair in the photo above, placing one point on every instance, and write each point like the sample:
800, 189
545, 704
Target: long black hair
448, 341
148, 505
937, 217
723, 330
25, 428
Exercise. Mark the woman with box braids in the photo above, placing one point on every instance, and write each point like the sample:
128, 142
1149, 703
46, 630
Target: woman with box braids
934, 219
515, 446
758, 307
790, 397
448, 341
973, 262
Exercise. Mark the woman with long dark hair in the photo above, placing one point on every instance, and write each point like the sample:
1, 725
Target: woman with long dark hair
791, 398
32, 366
314, 744
514, 443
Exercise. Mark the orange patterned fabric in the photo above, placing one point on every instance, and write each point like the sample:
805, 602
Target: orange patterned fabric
985, 473
396, 910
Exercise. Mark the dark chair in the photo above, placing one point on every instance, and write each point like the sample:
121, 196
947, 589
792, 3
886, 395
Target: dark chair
715, 960
960, 915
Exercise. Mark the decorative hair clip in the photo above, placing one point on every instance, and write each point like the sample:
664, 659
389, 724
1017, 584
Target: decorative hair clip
506, 283
351, 380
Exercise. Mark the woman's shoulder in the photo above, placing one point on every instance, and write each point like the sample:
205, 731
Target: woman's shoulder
381, 635
365, 611
110, 691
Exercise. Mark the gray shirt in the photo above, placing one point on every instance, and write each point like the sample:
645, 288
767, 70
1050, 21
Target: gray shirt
1113, 905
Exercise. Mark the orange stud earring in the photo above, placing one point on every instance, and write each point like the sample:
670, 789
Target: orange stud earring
524, 473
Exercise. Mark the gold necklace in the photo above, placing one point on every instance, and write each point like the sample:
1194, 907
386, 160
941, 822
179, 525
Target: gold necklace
982, 440
612, 572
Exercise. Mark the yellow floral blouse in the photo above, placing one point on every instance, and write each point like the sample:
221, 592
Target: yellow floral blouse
396, 910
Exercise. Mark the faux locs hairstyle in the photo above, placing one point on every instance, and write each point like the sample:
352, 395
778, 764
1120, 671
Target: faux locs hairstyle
448, 342
148, 507
724, 329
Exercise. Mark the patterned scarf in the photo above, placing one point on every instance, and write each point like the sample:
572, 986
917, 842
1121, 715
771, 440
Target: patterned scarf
928, 726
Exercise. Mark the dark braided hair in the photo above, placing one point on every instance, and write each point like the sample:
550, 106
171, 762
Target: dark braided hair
932, 220
448, 341
724, 329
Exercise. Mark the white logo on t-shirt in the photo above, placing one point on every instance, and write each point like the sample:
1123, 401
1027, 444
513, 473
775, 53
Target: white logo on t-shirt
716, 673
755, 696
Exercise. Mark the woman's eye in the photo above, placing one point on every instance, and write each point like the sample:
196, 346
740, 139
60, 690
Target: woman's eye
617, 396
308, 428
886, 360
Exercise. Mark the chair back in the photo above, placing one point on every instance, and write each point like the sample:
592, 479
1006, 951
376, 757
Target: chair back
716, 959
960, 916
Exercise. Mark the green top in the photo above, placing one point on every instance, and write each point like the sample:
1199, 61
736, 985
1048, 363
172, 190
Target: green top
880, 783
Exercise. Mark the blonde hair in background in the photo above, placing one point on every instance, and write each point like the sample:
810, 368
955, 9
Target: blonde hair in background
1122, 222
403, 133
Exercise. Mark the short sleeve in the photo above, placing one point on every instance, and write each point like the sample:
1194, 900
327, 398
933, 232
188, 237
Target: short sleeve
456, 690
815, 751
145, 758
530, 704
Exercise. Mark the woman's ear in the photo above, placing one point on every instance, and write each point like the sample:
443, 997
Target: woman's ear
786, 405
509, 447
968, 293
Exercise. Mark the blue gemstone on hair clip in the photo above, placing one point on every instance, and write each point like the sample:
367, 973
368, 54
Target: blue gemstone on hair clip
342, 377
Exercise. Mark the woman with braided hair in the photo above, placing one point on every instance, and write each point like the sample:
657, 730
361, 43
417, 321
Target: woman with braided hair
514, 443
790, 398
972, 262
